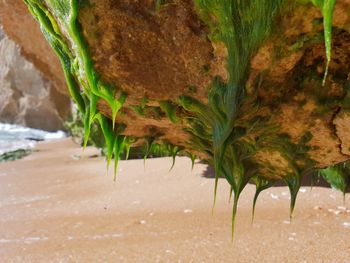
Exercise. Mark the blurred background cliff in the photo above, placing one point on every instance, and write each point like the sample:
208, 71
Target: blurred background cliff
26, 97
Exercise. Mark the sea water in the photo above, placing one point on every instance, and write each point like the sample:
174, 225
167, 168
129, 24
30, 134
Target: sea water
14, 137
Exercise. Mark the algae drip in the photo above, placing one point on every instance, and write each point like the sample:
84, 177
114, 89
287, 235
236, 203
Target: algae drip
224, 129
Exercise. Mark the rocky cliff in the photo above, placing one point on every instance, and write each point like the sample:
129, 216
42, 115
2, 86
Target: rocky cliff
28, 98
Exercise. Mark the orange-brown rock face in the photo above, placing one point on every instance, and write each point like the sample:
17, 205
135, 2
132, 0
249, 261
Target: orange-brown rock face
158, 54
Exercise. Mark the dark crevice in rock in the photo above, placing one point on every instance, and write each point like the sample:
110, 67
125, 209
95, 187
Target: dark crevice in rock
335, 131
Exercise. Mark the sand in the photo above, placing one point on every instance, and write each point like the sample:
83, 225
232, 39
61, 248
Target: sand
56, 206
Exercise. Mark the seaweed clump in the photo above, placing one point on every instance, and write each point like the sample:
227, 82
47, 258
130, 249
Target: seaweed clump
79, 71
226, 130
14, 155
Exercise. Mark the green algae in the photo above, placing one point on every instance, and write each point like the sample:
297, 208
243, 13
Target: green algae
140, 109
222, 130
327, 9
148, 112
174, 151
148, 148
170, 110
161, 149
241, 26
158, 4
261, 185
338, 176
293, 183
14, 155
78, 69
128, 141
193, 158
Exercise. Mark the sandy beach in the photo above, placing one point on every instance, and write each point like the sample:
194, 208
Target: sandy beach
56, 206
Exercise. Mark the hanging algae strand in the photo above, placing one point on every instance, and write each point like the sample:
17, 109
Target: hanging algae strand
261, 185
66, 12
193, 159
327, 9
338, 176
77, 66
241, 26
161, 149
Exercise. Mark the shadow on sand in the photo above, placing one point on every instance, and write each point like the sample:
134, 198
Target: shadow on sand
306, 180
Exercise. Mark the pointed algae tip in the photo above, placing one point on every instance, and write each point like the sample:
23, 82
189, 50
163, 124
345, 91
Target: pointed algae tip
215, 191
144, 162
291, 209
127, 148
173, 162
83, 151
230, 197
86, 138
116, 160
254, 205
325, 75
114, 116
107, 166
293, 199
233, 232
148, 150
327, 12
117, 152
127, 153
85, 141
87, 127
215, 184
193, 159
214, 200
108, 163
234, 212
109, 158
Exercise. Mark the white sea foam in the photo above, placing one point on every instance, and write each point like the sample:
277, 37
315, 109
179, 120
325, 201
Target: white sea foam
14, 137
